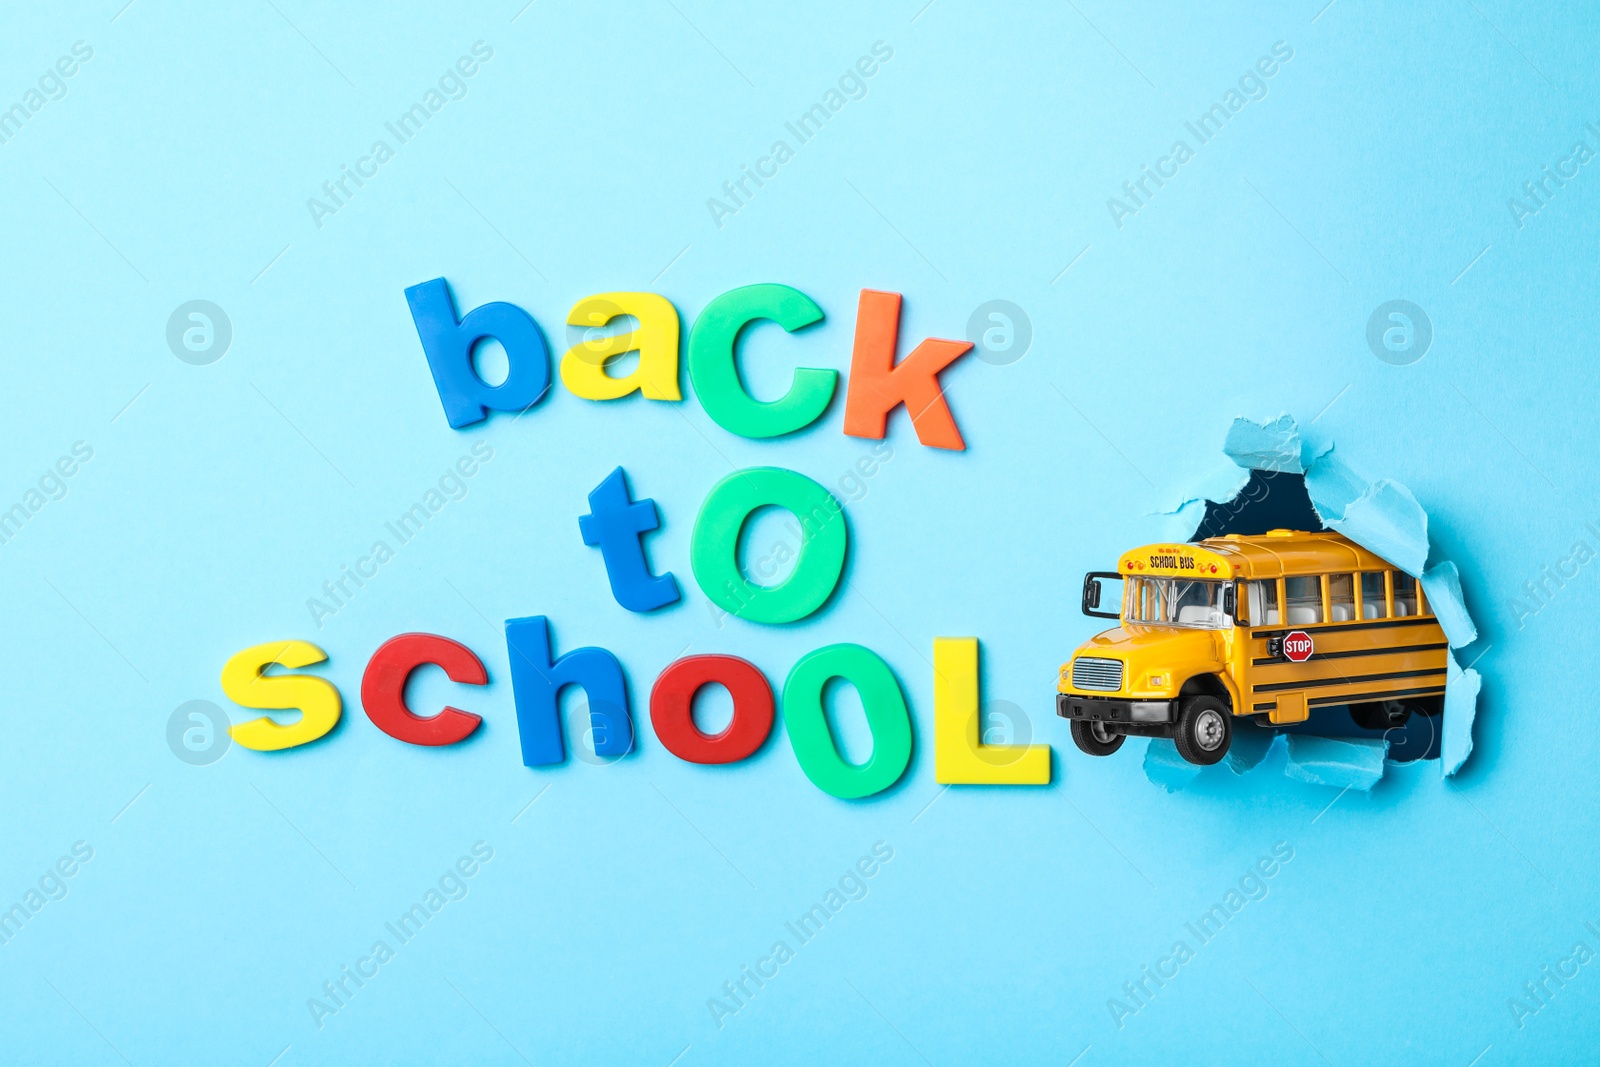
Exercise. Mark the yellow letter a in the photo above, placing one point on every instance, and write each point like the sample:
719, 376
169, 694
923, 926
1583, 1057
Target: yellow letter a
583, 368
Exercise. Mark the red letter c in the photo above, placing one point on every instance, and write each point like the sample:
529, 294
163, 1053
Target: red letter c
383, 688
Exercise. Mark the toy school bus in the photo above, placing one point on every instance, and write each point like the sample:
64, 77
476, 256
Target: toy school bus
1270, 626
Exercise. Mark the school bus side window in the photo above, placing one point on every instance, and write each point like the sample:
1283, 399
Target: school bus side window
1341, 597
1372, 596
1405, 594
1304, 600
1263, 602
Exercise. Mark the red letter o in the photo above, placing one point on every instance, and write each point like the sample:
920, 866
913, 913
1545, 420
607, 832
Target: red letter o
672, 708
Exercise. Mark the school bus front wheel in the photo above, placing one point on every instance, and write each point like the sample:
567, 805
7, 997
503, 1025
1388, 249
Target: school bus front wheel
1204, 729
1096, 738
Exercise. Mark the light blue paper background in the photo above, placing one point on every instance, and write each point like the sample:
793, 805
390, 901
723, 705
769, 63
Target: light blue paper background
177, 166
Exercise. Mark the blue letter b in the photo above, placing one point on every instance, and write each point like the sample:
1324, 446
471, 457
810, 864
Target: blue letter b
448, 344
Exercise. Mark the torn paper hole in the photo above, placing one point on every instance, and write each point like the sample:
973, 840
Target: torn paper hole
1273, 446
1280, 482
1164, 767
1341, 762
1460, 710
1390, 522
1442, 586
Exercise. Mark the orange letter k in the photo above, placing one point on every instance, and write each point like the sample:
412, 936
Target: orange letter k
878, 386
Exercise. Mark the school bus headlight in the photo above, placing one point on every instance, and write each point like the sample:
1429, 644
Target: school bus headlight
1066, 673
1156, 681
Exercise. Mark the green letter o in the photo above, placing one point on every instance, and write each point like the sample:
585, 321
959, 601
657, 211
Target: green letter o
807, 724
714, 547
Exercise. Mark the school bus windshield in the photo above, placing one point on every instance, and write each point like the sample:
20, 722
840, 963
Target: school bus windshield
1176, 602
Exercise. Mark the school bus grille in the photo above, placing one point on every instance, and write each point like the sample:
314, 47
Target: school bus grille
1090, 672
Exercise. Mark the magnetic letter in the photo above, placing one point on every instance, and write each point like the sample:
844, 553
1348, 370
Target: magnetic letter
807, 724
615, 524
383, 688
448, 343
959, 755
714, 370
878, 386
583, 368
536, 684
246, 682
672, 709
714, 546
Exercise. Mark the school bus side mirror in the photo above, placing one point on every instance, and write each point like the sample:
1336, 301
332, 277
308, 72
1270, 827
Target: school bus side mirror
1091, 594
1230, 598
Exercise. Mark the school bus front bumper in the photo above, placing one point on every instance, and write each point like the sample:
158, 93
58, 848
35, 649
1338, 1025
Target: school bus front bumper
1128, 713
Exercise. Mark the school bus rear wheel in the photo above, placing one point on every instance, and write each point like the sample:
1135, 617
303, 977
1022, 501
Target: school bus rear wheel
1204, 730
1391, 714
1380, 714
1096, 738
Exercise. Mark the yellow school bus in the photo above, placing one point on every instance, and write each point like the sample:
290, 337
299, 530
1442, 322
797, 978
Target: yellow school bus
1269, 626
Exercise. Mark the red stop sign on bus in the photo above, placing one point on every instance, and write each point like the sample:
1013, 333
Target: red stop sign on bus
1297, 646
